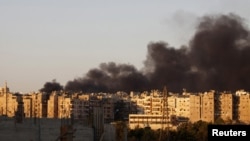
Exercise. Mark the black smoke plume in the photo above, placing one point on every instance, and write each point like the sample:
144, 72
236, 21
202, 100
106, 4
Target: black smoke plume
110, 77
216, 58
51, 86
220, 52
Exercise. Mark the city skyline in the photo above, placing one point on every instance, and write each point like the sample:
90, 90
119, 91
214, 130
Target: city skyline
43, 41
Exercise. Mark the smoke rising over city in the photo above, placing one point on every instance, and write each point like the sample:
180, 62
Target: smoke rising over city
217, 58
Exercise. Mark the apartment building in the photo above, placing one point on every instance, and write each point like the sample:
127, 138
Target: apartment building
64, 106
182, 107
98, 122
27, 106
142, 120
243, 104
80, 108
8, 102
148, 103
52, 105
202, 107
195, 107
224, 106
108, 109
137, 102
207, 106
84, 104
151, 107
39, 105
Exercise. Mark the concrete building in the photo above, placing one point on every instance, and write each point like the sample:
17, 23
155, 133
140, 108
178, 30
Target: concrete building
39, 105
202, 107
143, 120
207, 109
27, 106
108, 109
98, 123
80, 107
243, 105
52, 104
155, 122
224, 106
182, 108
64, 106
8, 102
154, 107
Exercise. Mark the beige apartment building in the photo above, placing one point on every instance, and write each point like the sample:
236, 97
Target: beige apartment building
202, 107
52, 104
182, 107
27, 106
137, 101
148, 103
32, 105
243, 104
39, 105
224, 106
64, 106
8, 102
59, 105
151, 107
195, 107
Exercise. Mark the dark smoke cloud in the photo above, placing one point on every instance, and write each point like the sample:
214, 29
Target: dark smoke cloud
110, 77
166, 66
216, 58
220, 51
51, 86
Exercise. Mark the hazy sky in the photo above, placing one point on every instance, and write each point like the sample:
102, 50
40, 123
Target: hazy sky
62, 39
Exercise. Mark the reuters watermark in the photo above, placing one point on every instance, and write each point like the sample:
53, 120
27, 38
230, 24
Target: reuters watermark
241, 132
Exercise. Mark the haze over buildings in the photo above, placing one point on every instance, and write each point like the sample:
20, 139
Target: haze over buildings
62, 40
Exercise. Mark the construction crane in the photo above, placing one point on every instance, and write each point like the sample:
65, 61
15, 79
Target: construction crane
165, 115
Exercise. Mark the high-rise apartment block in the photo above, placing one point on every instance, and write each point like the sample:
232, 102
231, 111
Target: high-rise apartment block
202, 107
224, 106
243, 106
8, 102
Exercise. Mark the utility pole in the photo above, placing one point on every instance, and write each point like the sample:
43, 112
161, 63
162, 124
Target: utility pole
6, 93
165, 115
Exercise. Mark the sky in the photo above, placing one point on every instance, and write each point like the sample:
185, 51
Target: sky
60, 40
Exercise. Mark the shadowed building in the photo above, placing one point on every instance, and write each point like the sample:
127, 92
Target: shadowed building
224, 106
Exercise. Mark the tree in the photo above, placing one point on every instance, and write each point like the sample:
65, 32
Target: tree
120, 130
142, 134
196, 131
